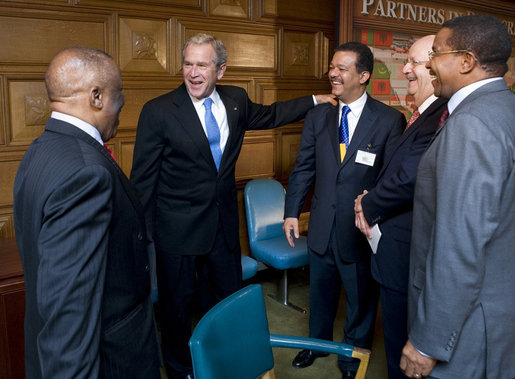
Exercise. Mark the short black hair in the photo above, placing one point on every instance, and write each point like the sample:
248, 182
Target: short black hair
365, 61
485, 36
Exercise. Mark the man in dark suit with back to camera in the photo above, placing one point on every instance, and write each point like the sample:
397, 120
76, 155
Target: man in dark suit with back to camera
342, 149
390, 204
461, 294
81, 235
187, 145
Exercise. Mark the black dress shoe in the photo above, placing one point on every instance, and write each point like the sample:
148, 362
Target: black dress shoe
306, 358
348, 374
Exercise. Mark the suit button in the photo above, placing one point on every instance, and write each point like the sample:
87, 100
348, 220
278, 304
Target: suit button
333, 206
140, 236
147, 268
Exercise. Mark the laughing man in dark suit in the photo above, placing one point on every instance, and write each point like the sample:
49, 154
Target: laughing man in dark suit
187, 145
340, 170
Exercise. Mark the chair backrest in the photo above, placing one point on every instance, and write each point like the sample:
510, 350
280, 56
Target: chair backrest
264, 207
231, 332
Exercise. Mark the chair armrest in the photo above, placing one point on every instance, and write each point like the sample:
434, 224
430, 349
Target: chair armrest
325, 346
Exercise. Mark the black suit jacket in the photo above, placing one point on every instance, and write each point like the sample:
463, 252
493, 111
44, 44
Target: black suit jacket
337, 184
81, 235
174, 172
390, 202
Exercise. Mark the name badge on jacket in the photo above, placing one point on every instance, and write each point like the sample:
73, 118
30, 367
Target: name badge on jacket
365, 158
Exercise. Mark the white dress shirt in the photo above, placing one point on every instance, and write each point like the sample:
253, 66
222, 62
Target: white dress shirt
82, 125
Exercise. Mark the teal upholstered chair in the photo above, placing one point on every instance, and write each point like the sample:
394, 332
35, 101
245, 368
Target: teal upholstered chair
249, 267
264, 206
232, 340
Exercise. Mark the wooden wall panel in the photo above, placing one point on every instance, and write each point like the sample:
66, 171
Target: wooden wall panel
301, 11
257, 157
248, 48
3, 113
144, 46
29, 109
29, 40
135, 98
6, 225
8, 168
300, 54
290, 143
276, 51
231, 8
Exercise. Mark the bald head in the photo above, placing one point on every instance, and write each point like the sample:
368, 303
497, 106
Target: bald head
75, 69
86, 83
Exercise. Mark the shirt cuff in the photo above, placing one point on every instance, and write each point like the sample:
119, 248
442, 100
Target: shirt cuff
314, 100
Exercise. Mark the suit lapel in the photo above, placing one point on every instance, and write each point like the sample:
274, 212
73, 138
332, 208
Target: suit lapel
332, 124
435, 105
232, 110
190, 123
365, 124
67, 129
495, 86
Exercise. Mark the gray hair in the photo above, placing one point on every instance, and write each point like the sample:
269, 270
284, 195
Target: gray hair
218, 47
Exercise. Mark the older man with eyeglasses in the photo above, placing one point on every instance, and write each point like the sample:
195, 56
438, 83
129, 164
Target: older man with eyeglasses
389, 204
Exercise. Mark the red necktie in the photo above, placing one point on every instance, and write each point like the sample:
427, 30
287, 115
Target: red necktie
443, 118
412, 119
110, 152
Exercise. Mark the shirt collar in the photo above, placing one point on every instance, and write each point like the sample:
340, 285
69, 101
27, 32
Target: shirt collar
356, 107
82, 125
459, 96
427, 102
217, 100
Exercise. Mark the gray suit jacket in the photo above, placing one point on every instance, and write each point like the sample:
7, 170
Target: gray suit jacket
81, 235
462, 280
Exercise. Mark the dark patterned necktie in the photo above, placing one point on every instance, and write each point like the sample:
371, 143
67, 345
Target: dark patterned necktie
343, 132
443, 118
412, 119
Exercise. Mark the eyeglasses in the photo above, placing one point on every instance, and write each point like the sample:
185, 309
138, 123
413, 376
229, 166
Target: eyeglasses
414, 62
433, 54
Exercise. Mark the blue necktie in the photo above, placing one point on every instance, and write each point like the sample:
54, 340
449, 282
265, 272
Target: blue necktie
343, 132
213, 133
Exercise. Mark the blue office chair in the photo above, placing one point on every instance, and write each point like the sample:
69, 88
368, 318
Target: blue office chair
232, 340
249, 268
264, 205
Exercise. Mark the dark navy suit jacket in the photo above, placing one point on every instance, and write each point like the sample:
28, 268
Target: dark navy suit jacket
390, 202
336, 184
82, 238
174, 173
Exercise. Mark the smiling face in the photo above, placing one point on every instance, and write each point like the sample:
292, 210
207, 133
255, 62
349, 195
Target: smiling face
445, 68
419, 80
199, 70
347, 84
